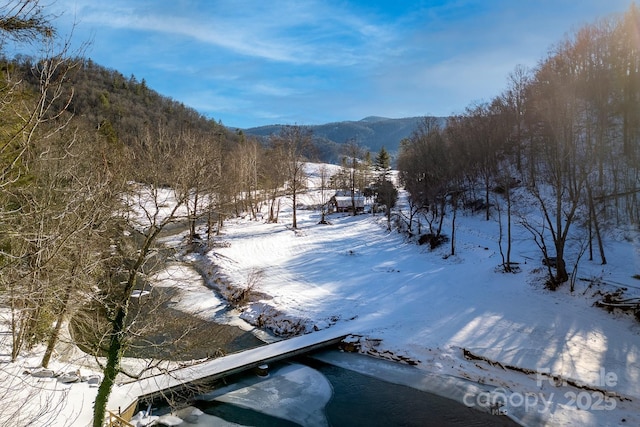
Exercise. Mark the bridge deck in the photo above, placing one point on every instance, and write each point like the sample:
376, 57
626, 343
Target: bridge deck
125, 395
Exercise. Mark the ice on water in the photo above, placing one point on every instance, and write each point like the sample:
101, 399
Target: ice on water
293, 392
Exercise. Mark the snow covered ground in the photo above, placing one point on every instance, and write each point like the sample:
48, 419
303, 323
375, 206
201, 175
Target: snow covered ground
403, 301
424, 306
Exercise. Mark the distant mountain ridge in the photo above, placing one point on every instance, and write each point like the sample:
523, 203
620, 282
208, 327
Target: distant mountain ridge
372, 133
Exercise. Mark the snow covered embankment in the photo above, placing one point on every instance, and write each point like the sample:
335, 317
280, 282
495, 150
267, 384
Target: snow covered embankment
428, 308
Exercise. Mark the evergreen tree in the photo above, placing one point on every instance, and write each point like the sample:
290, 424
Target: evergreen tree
387, 195
382, 163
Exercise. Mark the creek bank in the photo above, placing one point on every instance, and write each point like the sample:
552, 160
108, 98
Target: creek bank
254, 307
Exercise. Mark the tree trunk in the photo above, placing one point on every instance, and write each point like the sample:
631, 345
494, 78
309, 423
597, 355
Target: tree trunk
193, 218
441, 219
55, 335
209, 225
508, 194
353, 201
559, 240
16, 341
505, 265
453, 226
589, 223
592, 215
272, 211
486, 197
561, 268
114, 355
118, 327
295, 220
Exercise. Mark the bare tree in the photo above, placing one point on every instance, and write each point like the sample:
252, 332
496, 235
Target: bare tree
88, 197
563, 160
291, 144
324, 177
508, 130
476, 134
51, 197
245, 158
198, 157
151, 206
25, 21
505, 183
414, 209
274, 176
514, 98
425, 170
43, 208
215, 192
354, 165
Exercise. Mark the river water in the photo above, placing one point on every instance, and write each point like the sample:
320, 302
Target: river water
311, 392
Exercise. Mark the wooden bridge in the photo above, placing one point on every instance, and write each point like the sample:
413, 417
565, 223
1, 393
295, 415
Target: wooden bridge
125, 397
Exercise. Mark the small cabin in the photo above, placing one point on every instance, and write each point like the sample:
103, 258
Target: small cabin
341, 202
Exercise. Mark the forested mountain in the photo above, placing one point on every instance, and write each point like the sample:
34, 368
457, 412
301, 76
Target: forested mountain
120, 107
372, 133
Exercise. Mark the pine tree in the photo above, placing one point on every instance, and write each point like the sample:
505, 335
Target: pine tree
383, 162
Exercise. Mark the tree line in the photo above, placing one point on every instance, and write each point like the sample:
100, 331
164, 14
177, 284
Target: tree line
567, 131
94, 168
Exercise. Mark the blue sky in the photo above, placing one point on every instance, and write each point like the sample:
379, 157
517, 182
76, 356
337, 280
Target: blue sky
251, 63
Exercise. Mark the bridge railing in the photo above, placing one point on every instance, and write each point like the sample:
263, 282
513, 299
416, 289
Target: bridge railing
117, 421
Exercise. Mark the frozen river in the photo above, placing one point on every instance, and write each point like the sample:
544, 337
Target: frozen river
327, 390
332, 388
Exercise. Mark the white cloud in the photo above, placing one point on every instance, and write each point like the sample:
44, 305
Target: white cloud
292, 32
307, 61
272, 90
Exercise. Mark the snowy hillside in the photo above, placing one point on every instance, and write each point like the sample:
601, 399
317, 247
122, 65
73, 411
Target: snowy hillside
552, 358
408, 303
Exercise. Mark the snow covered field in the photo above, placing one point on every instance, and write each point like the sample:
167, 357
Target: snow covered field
424, 306
403, 301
